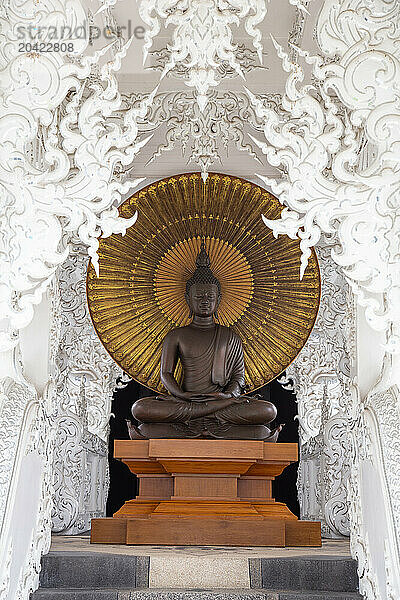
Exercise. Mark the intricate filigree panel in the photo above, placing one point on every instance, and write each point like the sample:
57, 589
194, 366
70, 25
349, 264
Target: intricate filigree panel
85, 379
66, 183
246, 57
80, 476
202, 137
321, 381
327, 188
375, 443
202, 36
86, 375
28, 422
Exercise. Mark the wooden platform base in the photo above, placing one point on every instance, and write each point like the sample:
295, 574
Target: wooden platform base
205, 492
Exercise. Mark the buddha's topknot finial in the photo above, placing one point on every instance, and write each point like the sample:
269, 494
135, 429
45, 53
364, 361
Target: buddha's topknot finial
203, 260
203, 273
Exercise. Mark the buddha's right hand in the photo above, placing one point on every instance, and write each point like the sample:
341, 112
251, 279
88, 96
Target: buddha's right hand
225, 396
199, 397
221, 396
189, 396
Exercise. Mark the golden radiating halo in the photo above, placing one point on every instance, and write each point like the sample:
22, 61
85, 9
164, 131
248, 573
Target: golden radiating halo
229, 266
139, 294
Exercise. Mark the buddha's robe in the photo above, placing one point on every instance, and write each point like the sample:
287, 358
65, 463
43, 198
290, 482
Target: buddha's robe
221, 363
218, 368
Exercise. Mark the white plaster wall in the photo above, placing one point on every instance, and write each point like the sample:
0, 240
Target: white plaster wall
370, 353
375, 524
34, 346
24, 517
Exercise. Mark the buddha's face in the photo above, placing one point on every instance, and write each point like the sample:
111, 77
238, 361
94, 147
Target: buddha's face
203, 299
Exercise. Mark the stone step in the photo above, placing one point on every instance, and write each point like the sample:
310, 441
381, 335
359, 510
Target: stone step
118, 571
90, 570
154, 594
337, 574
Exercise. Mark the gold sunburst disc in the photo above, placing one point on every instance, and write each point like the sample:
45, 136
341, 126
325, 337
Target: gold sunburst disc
139, 294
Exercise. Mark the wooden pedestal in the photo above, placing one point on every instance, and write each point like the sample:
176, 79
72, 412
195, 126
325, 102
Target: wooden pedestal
205, 492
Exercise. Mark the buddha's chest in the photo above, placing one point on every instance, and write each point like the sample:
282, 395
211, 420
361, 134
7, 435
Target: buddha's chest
196, 343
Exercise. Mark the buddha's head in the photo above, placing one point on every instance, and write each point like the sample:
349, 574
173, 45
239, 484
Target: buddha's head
203, 290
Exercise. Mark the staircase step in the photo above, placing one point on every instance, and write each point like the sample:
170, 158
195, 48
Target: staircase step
75, 594
154, 594
106, 575
91, 570
337, 574
116, 571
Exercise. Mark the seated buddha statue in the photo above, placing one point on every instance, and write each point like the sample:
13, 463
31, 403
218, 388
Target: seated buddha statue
210, 402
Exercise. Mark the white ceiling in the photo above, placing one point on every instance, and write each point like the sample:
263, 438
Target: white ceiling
135, 78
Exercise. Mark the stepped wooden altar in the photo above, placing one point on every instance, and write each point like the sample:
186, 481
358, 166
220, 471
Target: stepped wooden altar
205, 492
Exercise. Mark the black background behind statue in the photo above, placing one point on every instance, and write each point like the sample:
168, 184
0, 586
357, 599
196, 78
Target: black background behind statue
123, 483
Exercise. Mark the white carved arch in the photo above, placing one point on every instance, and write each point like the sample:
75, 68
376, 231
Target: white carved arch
69, 189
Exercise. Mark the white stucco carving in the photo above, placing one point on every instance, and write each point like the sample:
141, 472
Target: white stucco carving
327, 187
27, 453
67, 186
321, 380
373, 487
202, 36
246, 57
85, 378
202, 136
81, 477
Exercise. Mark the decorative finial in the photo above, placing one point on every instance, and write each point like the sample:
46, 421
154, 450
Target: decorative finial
203, 260
203, 273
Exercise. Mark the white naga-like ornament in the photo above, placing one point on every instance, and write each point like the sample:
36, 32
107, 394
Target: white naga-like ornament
342, 170
56, 173
202, 37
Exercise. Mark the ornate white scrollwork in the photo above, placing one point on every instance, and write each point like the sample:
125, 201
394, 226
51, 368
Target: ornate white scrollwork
67, 186
85, 378
321, 381
201, 136
80, 476
27, 449
85, 375
328, 188
374, 491
246, 57
202, 36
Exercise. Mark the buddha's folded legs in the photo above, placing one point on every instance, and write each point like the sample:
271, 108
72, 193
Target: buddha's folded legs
165, 410
168, 409
170, 417
254, 411
198, 429
168, 430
